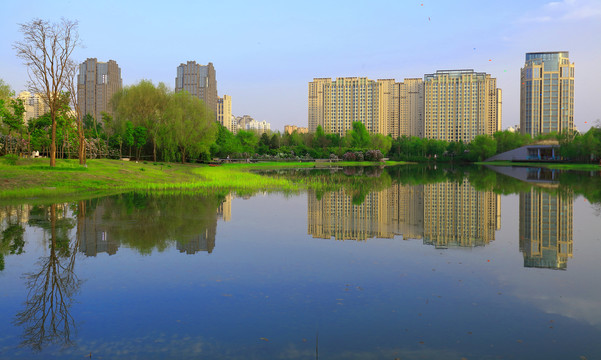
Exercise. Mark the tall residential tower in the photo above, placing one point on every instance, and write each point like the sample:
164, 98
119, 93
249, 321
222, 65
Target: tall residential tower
461, 104
96, 83
547, 93
200, 81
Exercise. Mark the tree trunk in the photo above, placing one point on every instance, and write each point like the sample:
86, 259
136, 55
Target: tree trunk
53, 141
82, 144
154, 151
183, 150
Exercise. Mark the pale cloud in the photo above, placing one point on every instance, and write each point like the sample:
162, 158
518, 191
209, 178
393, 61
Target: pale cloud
566, 10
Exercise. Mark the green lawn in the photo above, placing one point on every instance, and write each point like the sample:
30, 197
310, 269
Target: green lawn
34, 178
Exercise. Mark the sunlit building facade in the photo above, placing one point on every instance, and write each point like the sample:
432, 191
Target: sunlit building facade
97, 82
200, 81
224, 112
460, 104
336, 104
289, 129
34, 105
547, 93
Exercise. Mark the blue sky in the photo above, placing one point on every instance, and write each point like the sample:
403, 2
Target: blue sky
266, 52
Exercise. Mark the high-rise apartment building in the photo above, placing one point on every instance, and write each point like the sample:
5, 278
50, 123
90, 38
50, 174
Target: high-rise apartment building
547, 93
335, 105
34, 105
411, 108
97, 82
460, 104
200, 81
224, 112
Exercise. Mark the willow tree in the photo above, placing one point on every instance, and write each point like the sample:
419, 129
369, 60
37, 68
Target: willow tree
190, 125
46, 50
143, 104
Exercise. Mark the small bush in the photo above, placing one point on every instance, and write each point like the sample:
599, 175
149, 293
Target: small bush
349, 156
359, 155
10, 159
145, 162
373, 155
142, 169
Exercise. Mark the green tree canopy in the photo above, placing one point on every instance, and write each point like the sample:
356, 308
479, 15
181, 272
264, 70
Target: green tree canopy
191, 125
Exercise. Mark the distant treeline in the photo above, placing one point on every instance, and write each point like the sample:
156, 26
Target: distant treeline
153, 123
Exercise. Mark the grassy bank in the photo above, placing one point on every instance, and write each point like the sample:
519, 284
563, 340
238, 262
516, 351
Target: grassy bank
33, 178
563, 166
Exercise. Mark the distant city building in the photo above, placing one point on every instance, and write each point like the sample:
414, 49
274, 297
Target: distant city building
259, 126
97, 82
289, 129
200, 81
224, 112
335, 105
460, 104
401, 107
547, 93
34, 104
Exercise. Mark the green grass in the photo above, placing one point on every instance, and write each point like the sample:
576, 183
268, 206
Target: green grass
563, 166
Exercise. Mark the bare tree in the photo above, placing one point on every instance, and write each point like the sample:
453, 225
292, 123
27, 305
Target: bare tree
46, 50
72, 89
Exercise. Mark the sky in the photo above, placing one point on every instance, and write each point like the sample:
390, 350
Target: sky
266, 52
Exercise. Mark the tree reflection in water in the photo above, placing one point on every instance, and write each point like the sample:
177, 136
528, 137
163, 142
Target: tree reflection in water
46, 318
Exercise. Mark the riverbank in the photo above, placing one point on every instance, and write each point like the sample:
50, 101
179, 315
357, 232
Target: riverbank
561, 166
33, 178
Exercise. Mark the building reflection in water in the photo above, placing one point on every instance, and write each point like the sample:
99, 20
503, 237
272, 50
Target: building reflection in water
446, 214
459, 216
109, 223
546, 229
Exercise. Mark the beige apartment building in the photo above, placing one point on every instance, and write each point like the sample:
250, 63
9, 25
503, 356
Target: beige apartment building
34, 105
460, 104
547, 93
289, 129
336, 104
383, 106
97, 82
200, 81
224, 112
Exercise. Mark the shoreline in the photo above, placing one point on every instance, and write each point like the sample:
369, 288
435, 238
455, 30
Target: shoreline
33, 179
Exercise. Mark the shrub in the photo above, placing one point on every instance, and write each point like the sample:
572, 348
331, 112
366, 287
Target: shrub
373, 155
333, 157
10, 159
359, 155
349, 156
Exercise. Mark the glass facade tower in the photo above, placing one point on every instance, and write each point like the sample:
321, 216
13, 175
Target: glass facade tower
547, 93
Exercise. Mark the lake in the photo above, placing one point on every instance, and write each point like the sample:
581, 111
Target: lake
395, 263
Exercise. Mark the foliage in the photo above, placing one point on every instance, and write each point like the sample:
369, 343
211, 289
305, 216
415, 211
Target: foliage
191, 128
507, 140
10, 159
482, 147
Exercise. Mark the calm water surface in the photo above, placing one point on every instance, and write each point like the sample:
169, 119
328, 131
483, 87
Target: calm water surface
391, 264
